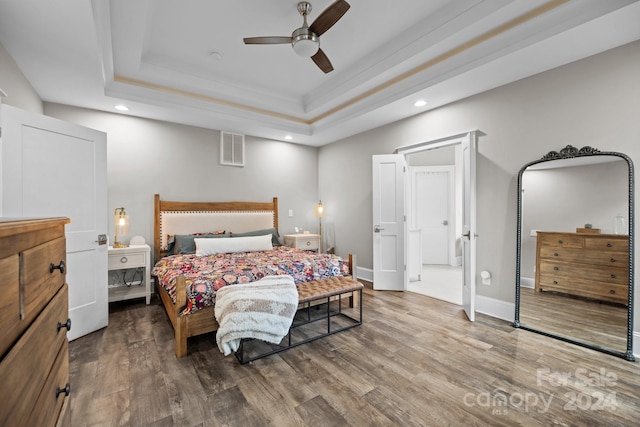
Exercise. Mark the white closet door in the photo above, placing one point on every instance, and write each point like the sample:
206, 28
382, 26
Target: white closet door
54, 168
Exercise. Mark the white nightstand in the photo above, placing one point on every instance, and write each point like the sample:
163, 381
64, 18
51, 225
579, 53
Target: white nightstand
133, 257
309, 242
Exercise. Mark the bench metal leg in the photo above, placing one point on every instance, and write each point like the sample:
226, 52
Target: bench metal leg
240, 354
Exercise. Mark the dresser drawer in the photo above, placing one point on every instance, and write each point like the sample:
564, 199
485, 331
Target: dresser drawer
612, 292
9, 302
52, 396
618, 259
27, 365
607, 244
39, 280
607, 274
560, 240
121, 261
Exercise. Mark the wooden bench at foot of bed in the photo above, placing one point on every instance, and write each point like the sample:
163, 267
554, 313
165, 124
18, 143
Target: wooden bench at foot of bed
316, 294
204, 321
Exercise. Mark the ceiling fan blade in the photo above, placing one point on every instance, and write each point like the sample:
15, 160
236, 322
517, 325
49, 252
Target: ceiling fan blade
267, 40
329, 17
322, 61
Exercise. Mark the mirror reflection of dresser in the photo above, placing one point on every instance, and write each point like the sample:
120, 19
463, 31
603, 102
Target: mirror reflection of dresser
592, 266
574, 272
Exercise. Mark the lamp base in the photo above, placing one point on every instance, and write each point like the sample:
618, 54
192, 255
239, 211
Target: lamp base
117, 244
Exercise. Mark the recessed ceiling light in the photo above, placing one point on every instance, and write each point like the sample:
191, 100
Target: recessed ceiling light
288, 137
420, 103
121, 107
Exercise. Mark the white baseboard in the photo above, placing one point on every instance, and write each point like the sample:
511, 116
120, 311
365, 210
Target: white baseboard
495, 308
364, 274
528, 282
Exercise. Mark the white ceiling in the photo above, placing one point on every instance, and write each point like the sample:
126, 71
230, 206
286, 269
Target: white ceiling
156, 56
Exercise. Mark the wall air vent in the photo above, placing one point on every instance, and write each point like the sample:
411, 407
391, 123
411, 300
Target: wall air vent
231, 149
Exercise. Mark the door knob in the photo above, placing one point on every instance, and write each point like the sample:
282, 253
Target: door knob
445, 222
376, 228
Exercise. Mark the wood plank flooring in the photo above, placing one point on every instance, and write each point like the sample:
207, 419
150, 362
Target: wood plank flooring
415, 361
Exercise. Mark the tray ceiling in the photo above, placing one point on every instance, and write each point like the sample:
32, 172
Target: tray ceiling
185, 61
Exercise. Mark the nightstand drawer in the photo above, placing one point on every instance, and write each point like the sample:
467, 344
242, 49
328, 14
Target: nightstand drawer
311, 244
120, 261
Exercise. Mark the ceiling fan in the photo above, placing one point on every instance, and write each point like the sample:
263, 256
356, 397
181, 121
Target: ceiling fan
306, 39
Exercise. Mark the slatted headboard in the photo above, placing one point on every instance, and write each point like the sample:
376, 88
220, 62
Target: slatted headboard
172, 217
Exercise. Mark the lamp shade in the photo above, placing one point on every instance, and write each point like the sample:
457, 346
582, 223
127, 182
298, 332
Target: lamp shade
120, 226
320, 210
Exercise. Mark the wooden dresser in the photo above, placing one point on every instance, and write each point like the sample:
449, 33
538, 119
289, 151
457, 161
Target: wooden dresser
34, 319
586, 265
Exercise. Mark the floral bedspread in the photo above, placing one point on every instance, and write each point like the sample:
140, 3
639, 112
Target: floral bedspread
206, 274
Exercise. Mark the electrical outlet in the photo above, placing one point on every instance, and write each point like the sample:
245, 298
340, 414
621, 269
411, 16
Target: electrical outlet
290, 212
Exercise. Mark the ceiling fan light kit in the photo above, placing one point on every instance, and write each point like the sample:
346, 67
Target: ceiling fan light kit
305, 43
306, 39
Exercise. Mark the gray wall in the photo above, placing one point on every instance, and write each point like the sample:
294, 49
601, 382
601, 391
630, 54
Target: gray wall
180, 162
19, 91
593, 102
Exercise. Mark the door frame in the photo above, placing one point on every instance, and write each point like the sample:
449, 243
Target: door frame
461, 139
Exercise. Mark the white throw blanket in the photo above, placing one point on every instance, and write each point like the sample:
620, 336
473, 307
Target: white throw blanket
263, 310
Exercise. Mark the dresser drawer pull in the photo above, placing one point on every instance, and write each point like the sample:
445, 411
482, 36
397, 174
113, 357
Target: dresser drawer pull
609, 245
555, 282
556, 268
555, 254
57, 267
560, 241
123, 259
612, 260
613, 276
66, 390
612, 291
67, 325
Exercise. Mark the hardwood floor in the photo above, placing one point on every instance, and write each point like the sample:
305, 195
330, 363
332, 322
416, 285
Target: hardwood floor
415, 361
595, 322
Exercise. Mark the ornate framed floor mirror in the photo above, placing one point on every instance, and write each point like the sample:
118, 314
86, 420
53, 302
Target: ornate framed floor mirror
574, 261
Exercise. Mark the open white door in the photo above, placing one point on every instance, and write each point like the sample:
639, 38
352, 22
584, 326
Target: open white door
54, 168
389, 220
469, 235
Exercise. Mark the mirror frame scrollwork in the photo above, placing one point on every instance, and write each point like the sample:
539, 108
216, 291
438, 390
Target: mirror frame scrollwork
567, 153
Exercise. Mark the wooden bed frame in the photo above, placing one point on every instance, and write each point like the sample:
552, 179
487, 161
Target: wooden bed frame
202, 321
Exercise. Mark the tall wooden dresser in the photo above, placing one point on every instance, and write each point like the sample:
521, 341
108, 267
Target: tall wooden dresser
587, 265
34, 319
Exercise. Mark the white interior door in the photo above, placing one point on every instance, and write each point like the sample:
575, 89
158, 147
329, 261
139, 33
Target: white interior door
54, 168
468, 146
431, 187
389, 222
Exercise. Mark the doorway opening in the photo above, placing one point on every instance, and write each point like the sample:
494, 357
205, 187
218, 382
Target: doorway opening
434, 224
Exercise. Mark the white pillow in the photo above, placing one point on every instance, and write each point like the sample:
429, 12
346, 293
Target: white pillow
220, 245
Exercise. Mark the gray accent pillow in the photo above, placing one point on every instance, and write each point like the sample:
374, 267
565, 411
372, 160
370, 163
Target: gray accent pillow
275, 237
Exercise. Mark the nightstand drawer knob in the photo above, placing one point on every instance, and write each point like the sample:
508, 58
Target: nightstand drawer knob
60, 267
308, 243
124, 260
